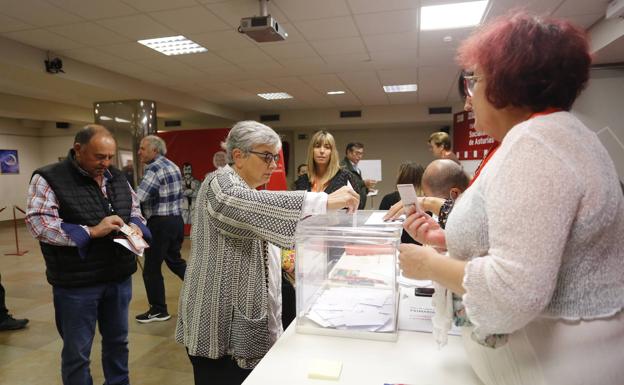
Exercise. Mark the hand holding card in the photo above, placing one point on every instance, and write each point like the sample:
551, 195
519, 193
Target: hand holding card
409, 197
135, 240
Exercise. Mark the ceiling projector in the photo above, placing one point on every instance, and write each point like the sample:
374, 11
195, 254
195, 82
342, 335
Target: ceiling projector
262, 29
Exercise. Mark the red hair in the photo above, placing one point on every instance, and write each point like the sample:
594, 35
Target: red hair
529, 62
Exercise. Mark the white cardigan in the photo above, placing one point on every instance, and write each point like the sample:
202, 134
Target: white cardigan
547, 216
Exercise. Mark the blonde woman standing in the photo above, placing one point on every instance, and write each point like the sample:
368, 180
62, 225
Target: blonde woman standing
324, 172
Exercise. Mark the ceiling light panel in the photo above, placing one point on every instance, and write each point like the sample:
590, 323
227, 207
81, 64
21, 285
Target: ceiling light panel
400, 88
275, 96
173, 45
450, 16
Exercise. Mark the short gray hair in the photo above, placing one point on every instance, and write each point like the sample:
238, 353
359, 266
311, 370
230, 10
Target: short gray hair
157, 143
247, 134
85, 135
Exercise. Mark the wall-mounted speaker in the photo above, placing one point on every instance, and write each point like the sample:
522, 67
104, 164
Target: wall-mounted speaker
351, 114
173, 123
440, 110
269, 118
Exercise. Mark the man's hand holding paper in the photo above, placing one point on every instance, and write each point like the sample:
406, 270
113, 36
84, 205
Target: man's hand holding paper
134, 239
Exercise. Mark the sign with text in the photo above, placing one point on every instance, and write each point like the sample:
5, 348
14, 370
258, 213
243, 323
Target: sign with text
468, 143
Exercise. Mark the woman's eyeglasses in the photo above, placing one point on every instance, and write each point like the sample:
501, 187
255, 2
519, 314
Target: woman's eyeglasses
469, 83
267, 156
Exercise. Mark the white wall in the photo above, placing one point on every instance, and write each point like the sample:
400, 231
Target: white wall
56, 142
602, 105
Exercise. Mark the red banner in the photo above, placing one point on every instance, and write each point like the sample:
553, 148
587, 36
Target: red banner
200, 148
468, 143
198, 152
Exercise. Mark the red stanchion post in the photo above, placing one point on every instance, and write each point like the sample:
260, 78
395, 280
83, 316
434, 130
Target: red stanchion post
17, 252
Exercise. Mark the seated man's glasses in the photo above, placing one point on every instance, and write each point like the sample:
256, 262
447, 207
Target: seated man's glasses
267, 156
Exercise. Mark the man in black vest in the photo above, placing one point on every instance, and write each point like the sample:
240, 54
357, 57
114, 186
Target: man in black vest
354, 153
75, 209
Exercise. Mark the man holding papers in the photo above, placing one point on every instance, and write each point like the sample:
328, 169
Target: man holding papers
354, 153
75, 207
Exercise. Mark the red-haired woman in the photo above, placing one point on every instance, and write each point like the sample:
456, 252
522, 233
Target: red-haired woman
536, 242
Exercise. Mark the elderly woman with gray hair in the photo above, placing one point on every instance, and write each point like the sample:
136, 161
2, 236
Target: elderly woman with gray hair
230, 304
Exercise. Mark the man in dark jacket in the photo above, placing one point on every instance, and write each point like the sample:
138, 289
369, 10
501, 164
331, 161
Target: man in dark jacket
354, 153
75, 209
7, 322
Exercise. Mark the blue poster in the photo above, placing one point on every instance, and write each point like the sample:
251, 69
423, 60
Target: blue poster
9, 163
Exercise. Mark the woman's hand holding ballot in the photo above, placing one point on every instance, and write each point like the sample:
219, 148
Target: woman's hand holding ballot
420, 226
345, 197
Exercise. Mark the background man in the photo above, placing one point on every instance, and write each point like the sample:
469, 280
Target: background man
440, 146
219, 159
74, 208
191, 187
160, 193
445, 179
354, 153
302, 169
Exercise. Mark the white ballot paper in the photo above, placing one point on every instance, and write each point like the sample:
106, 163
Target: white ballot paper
134, 242
408, 196
370, 169
353, 308
376, 218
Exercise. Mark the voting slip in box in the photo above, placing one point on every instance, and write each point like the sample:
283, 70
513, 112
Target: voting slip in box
346, 268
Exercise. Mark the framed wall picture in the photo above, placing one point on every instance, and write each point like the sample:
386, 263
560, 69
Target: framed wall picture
9, 162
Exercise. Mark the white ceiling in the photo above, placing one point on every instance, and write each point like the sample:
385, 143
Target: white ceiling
351, 45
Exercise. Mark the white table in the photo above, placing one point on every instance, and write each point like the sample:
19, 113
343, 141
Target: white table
413, 359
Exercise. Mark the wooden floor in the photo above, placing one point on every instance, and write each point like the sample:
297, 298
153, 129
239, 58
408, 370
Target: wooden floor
32, 356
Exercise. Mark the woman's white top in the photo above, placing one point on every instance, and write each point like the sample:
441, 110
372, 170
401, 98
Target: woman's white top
543, 229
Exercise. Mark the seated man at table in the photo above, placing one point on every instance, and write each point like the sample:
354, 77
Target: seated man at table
444, 179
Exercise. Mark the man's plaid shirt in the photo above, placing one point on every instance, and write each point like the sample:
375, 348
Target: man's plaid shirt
160, 191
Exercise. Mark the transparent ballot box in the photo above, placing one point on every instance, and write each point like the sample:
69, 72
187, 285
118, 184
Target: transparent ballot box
346, 267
